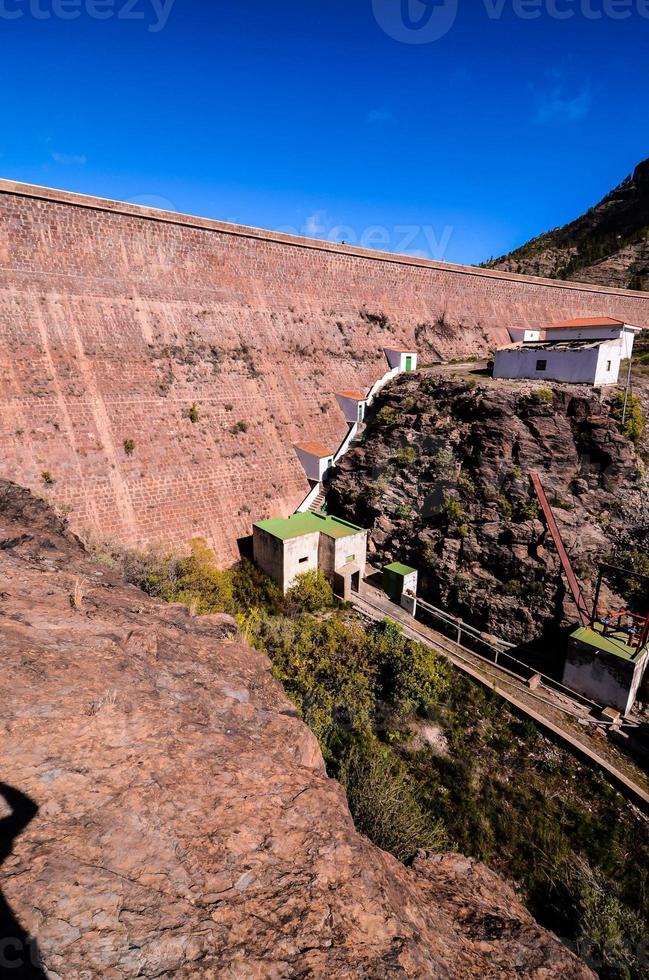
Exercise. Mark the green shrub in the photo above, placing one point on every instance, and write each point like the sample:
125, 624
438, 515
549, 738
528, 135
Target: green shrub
193, 414
129, 446
527, 510
310, 592
506, 508
561, 504
387, 416
411, 676
405, 456
452, 512
634, 422
325, 668
383, 800
47, 478
630, 563
240, 426
198, 582
611, 935
544, 395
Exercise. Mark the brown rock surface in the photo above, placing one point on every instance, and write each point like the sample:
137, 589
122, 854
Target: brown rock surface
185, 824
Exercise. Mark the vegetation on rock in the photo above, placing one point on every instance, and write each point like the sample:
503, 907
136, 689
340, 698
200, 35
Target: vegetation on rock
634, 420
498, 790
609, 244
442, 481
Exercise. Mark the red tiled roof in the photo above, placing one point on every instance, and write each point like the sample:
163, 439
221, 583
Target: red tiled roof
314, 448
352, 394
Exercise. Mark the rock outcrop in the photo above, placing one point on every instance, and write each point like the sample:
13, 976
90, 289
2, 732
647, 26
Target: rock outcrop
442, 480
165, 813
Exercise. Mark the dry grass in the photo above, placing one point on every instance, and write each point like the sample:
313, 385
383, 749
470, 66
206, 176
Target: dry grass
107, 700
76, 596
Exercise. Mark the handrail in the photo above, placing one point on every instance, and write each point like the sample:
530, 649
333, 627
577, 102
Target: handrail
344, 445
308, 500
464, 627
381, 383
498, 654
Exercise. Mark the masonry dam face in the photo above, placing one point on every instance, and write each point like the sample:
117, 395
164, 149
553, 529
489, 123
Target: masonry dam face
115, 320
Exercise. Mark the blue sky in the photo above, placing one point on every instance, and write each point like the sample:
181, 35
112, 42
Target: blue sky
452, 128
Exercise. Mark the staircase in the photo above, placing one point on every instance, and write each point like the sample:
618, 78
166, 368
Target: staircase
319, 501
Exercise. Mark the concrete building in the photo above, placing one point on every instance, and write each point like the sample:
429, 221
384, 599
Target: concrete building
400, 584
605, 668
316, 459
405, 359
582, 351
285, 547
353, 405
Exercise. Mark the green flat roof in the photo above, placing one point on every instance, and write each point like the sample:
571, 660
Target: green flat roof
296, 525
399, 569
613, 644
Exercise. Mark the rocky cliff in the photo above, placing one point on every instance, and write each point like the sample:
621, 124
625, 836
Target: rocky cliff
442, 480
156, 368
165, 814
609, 244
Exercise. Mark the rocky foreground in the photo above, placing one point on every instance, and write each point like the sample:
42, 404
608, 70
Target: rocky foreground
165, 814
442, 482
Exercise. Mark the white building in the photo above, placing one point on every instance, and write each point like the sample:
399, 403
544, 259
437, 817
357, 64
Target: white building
316, 460
353, 405
405, 359
582, 351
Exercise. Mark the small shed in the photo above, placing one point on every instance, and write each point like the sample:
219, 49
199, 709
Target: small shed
604, 667
405, 359
399, 579
285, 547
353, 405
316, 459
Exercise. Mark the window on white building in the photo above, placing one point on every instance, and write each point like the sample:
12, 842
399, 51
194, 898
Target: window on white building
541, 365
608, 366
302, 560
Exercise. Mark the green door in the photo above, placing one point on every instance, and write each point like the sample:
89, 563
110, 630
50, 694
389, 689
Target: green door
408, 363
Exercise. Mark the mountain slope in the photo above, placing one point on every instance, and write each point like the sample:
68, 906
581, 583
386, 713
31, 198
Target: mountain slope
608, 245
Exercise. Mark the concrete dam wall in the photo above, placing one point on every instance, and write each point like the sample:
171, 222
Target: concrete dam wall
116, 319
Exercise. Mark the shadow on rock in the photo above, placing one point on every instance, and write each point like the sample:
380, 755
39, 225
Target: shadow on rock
19, 956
